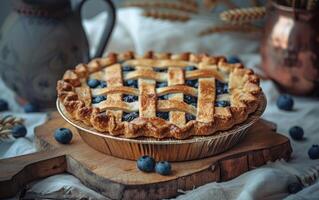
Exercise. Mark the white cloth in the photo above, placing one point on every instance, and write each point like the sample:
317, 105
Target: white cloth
134, 32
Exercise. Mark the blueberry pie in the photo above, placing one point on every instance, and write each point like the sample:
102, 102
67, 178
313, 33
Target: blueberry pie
159, 95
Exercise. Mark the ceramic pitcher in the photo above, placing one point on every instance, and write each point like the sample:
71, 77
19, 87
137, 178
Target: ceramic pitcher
39, 41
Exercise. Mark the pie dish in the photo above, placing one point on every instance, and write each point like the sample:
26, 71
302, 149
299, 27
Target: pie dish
159, 95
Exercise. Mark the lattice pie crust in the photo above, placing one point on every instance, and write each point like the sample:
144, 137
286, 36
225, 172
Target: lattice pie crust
207, 118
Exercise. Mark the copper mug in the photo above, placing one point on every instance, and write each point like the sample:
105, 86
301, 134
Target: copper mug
290, 49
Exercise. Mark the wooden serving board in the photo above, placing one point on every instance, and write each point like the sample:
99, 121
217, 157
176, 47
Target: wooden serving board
120, 179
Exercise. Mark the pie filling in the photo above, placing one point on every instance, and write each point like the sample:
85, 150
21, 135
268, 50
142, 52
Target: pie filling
221, 92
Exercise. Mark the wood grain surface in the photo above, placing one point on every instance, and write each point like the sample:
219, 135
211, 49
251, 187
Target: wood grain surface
120, 179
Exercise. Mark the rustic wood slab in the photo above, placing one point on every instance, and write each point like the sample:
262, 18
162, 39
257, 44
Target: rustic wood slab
120, 179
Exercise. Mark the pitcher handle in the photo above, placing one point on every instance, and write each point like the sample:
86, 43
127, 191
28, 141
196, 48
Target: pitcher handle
111, 17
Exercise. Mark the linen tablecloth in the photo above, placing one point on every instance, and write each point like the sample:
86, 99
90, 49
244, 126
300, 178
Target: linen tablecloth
135, 32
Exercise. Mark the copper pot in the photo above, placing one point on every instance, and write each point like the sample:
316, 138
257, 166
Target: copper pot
290, 49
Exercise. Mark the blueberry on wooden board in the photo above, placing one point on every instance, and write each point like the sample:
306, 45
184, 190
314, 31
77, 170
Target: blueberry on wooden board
146, 163
163, 168
63, 135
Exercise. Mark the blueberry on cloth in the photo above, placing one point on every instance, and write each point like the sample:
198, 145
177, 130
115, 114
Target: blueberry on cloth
19, 131
127, 68
3, 105
130, 98
313, 152
192, 83
189, 117
296, 133
131, 83
129, 116
146, 163
285, 102
163, 115
98, 99
63, 135
190, 68
163, 168
233, 59
222, 103
30, 108
93, 83
161, 84
294, 188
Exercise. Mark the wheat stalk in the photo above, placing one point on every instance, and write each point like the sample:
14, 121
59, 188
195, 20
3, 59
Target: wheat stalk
165, 15
163, 4
229, 28
243, 15
7, 123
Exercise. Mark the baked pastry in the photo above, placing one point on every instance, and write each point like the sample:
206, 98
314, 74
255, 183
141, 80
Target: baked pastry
159, 95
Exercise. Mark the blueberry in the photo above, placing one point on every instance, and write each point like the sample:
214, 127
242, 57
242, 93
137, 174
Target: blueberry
161, 84
131, 83
221, 88
129, 116
98, 99
294, 188
93, 83
192, 83
30, 108
3, 105
163, 115
296, 133
127, 68
130, 98
190, 68
63, 135
19, 131
190, 100
102, 84
160, 69
163, 168
163, 97
222, 103
189, 117
233, 59
285, 102
313, 152
146, 164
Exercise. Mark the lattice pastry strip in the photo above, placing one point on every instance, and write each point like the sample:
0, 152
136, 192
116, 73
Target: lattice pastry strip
176, 77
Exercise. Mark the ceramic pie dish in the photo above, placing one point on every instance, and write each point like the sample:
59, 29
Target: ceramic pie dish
172, 106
